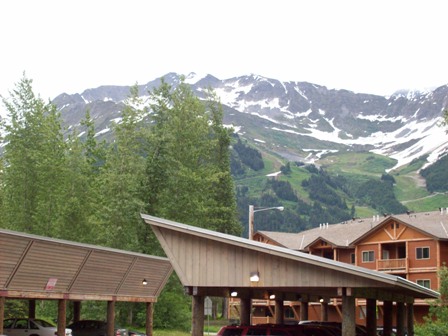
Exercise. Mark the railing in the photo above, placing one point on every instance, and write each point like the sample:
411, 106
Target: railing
392, 264
263, 319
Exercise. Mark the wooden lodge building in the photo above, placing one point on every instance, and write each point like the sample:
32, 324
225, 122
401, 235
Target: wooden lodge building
412, 246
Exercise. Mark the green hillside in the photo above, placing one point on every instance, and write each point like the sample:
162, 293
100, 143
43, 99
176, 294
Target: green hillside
338, 186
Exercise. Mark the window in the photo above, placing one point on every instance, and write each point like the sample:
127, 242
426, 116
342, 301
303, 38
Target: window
352, 258
422, 252
425, 283
368, 256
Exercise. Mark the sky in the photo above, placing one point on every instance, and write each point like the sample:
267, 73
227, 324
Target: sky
377, 47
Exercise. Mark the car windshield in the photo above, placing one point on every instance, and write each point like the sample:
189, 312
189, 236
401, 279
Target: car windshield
43, 323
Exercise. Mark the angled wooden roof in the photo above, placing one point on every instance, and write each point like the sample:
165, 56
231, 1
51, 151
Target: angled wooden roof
345, 234
38, 267
213, 263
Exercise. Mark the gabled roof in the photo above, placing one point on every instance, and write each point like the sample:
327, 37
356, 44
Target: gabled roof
210, 260
39, 267
345, 234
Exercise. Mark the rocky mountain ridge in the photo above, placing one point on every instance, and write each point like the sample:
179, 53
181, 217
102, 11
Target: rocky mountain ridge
297, 120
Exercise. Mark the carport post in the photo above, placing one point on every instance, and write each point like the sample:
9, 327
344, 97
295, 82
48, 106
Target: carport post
400, 318
197, 326
371, 317
2, 313
387, 318
324, 311
303, 310
279, 319
348, 314
76, 311
149, 318
32, 308
410, 318
62, 310
110, 318
245, 307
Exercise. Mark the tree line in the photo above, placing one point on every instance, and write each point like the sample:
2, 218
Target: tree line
169, 159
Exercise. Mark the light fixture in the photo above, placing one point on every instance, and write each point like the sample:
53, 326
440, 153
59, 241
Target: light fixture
321, 299
272, 297
254, 276
144, 282
234, 293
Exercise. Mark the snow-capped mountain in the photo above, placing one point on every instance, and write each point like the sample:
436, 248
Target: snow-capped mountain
298, 120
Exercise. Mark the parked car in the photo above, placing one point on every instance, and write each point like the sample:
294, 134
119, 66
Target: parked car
380, 332
94, 328
135, 333
360, 329
275, 330
31, 327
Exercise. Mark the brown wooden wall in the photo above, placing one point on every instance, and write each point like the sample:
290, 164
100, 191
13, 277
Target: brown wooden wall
229, 265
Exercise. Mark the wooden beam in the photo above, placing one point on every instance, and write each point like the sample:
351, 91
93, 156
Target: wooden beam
279, 311
410, 318
15, 294
371, 317
348, 315
2, 313
197, 326
62, 313
76, 311
32, 308
110, 318
149, 318
387, 318
400, 319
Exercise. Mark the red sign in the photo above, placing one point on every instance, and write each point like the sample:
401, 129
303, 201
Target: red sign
51, 284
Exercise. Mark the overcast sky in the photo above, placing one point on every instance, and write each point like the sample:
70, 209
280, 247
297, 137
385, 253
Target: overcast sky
365, 46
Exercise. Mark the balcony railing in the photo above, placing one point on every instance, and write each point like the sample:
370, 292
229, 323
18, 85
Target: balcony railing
392, 264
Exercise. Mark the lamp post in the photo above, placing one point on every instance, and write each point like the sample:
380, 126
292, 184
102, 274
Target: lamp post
252, 210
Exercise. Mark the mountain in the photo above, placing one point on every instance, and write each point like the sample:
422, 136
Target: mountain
298, 121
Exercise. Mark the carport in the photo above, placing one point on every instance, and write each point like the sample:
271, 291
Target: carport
209, 263
38, 268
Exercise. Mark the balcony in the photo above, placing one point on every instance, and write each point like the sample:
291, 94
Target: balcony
392, 265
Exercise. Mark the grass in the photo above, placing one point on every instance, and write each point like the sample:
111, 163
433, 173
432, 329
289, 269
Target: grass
170, 333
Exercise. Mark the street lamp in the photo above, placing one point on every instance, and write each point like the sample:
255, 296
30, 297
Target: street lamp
252, 210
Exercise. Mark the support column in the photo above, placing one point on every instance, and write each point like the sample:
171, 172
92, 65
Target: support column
2, 313
371, 317
303, 310
245, 307
410, 318
110, 318
348, 315
62, 315
279, 311
76, 311
149, 318
197, 325
32, 308
324, 311
387, 318
400, 319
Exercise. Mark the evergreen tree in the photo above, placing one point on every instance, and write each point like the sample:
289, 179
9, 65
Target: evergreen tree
120, 181
436, 323
188, 164
223, 214
34, 158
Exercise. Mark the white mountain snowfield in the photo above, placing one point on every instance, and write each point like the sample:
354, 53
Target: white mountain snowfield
278, 103
430, 135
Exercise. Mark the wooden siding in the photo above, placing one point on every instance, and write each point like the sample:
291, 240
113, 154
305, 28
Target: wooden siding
443, 253
206, 263
392, 231
80, 271
422, 263
345, 255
